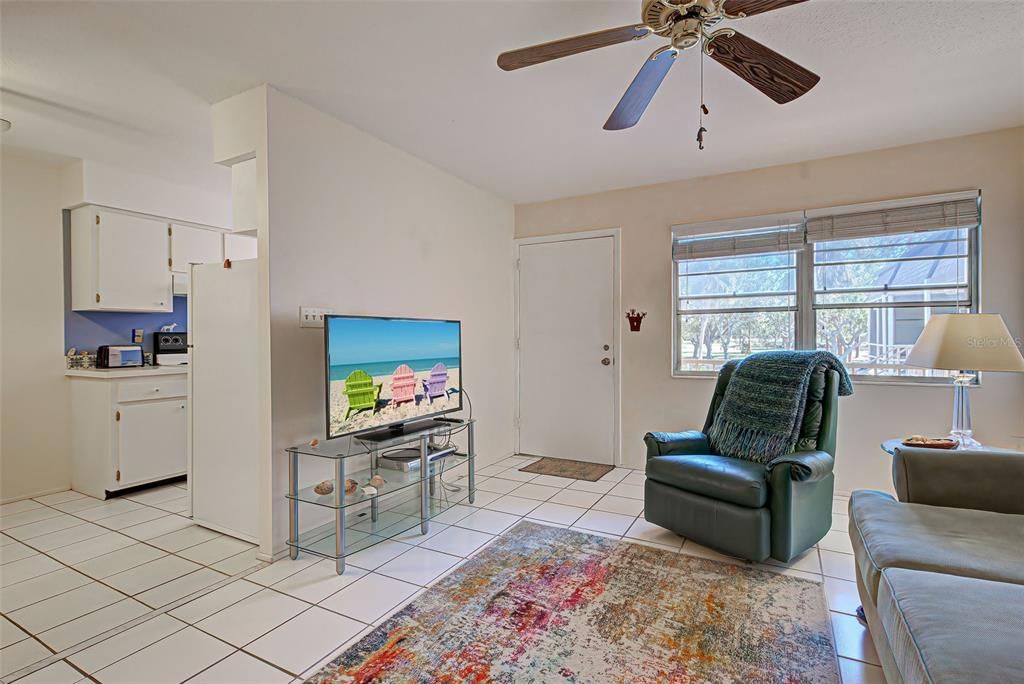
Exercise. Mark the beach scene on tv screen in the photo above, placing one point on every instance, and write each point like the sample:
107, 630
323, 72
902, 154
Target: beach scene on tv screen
385, 371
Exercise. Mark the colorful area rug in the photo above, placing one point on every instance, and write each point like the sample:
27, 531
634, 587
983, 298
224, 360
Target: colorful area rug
563, 467
545, 604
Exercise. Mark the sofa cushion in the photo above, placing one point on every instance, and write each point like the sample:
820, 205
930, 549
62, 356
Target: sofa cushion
744, 483
957, 541
945, 628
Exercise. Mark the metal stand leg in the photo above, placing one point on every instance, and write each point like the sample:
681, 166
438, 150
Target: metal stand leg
339, 518
471, 455
424, 485
293, 508
374, 502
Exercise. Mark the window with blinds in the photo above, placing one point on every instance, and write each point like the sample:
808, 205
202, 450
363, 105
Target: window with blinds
736, 293
880, 275
858, 281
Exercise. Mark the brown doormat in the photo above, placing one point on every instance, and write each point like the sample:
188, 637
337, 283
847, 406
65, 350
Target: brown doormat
563, 467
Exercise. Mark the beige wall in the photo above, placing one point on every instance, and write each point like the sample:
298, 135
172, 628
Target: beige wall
653, 400
364, 228
34, 398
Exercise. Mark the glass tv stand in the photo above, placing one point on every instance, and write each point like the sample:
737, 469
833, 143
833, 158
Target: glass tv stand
339, 524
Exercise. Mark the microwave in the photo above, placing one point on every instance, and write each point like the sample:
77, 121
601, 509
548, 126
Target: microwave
119, 356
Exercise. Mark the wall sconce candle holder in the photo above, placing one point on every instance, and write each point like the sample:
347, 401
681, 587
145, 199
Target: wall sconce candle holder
635, 318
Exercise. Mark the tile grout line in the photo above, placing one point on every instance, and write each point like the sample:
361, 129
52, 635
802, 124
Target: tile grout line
135, 622
462, 560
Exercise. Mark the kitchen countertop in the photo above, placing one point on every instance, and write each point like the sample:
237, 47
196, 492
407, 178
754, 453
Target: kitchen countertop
119, 373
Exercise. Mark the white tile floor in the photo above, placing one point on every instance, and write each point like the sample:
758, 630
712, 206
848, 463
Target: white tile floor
128, 590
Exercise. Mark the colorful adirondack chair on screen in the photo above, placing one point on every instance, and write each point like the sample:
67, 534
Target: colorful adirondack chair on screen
434, 386
403, 385
361, 392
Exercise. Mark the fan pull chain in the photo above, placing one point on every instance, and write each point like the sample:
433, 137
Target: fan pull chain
703, 108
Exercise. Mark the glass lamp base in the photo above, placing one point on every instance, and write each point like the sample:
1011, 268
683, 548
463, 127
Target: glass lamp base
961, 430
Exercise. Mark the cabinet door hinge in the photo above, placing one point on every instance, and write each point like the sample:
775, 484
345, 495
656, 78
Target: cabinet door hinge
169, 232
170, 262
97, 219
117, 416
117, 476
97, 297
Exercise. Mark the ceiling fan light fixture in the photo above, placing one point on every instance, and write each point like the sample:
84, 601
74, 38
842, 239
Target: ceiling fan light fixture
687, 24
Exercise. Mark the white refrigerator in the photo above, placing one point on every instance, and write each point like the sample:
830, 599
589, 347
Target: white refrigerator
224, 398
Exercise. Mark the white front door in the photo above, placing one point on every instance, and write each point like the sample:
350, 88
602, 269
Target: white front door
566, 331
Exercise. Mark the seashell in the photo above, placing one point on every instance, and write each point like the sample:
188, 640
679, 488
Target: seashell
323, 488
376, 481
314, 442
369, 491
72, 351
351, 486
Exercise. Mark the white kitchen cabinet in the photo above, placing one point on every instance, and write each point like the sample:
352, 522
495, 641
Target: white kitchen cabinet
119, 262
194, 246
151, 439
129, 427
239, 247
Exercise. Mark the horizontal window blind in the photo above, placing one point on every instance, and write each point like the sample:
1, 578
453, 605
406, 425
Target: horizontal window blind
783, 239
860, 281
961, 213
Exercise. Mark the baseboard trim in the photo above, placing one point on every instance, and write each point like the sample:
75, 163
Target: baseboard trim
44, 492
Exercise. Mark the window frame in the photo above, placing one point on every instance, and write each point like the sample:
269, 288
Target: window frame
805, 321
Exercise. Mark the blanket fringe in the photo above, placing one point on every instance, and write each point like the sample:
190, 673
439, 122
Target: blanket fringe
746, 442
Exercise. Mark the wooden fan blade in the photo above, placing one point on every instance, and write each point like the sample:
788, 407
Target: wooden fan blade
535, 54
779, 78
749, 8
636, 98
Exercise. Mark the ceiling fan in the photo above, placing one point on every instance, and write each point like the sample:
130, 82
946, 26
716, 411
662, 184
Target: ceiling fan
687, 23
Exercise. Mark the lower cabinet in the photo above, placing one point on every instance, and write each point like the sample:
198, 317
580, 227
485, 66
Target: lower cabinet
151, 440
127, 431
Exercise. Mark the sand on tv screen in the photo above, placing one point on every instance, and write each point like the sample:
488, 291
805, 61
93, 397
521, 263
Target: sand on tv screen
385, 371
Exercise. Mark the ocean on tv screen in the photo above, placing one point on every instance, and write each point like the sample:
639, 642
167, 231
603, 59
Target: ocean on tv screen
385, 371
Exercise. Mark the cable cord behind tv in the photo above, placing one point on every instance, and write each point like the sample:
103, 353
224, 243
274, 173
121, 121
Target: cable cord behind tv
448, 486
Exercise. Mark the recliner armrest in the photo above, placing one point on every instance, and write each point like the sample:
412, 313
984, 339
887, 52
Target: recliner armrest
805, 466
982, 479
676, 443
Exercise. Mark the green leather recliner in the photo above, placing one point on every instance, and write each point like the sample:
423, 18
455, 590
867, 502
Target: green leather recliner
741, 508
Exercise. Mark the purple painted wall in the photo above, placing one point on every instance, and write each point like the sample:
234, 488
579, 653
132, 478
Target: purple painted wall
86, 330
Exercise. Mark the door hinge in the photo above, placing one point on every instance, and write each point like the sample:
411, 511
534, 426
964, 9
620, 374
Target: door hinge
169, 232
170, 262
117, 415
97, 219
517, 264
117, 476
97, 297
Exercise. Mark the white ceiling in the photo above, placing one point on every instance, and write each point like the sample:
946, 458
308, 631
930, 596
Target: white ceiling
131, 84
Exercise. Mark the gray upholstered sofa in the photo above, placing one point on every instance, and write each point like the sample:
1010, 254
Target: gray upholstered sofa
941, 571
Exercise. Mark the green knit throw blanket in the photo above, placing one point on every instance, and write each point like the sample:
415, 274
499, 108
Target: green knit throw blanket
763, 408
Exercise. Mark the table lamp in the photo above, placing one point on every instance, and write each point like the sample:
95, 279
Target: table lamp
965, 343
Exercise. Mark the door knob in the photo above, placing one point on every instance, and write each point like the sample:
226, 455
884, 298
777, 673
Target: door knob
606, 361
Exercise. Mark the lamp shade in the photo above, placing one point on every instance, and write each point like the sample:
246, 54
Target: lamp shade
978, 342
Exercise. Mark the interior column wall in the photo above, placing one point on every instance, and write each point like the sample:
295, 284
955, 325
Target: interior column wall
361, 227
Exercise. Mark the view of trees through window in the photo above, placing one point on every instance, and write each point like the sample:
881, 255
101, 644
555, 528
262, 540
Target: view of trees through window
870, 297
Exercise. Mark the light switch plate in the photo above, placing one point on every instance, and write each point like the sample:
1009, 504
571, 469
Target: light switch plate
312, 316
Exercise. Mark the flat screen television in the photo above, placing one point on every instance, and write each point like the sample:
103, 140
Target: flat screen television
389, 372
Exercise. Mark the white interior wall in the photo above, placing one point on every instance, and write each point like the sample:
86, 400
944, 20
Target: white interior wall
87, 181
35, 417
364, 228
653, 400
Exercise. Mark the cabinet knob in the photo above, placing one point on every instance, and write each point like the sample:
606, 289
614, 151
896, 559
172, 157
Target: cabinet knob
156, 389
